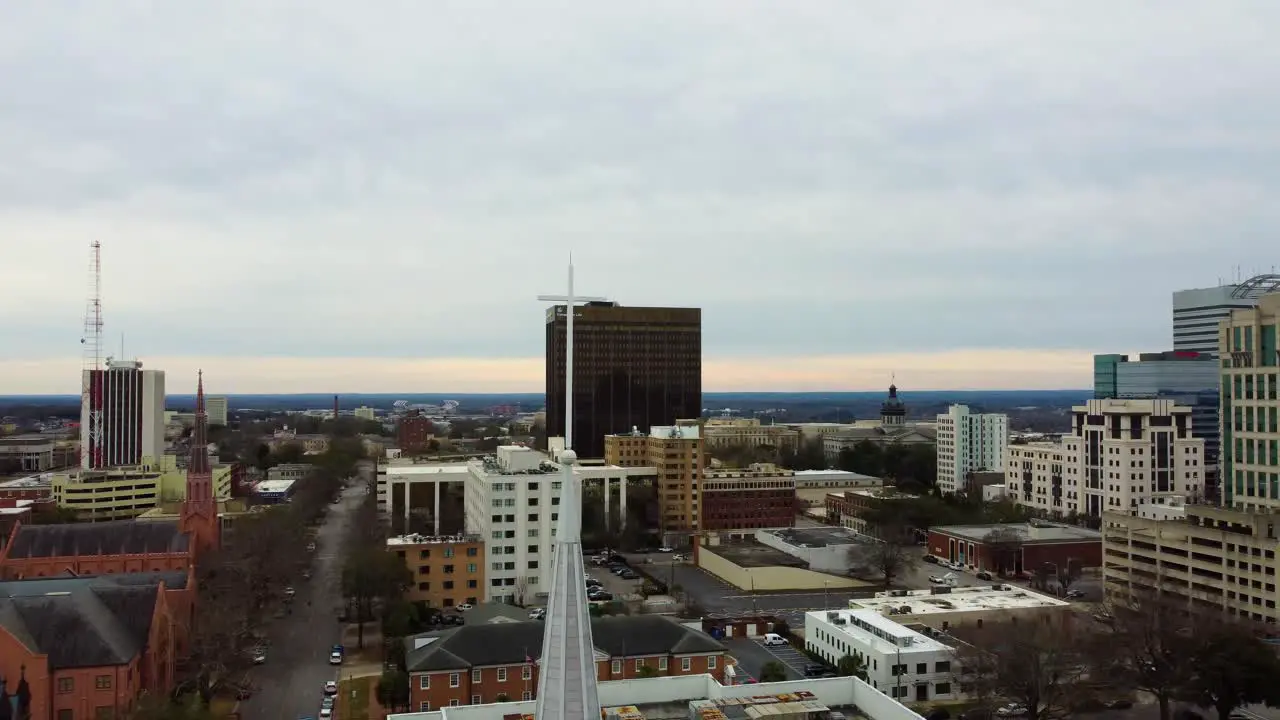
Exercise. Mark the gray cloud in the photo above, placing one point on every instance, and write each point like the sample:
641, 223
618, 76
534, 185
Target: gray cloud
401, 178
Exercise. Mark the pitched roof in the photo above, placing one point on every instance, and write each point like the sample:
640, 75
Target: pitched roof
84, 621
510, 643
116, 537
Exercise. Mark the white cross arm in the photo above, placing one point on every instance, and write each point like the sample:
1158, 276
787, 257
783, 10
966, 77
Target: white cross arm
575, 298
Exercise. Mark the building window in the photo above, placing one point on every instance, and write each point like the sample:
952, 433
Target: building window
102, 682
711, 662
686, 664
455, 679
66, 684
424, 683
662, 663
454, 702
475, 699
526, 695
616, 667
943, 666
424, 706
104, 712
475, 676
66, 714
526, 672
639, 664
502, 675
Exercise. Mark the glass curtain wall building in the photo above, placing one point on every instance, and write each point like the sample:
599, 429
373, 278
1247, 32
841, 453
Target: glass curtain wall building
1187, 378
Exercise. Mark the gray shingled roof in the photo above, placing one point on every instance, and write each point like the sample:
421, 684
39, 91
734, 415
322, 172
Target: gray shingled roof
116, 537
509, 643
84, 621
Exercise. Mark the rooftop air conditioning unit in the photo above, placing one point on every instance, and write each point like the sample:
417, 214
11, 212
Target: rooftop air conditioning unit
840, 621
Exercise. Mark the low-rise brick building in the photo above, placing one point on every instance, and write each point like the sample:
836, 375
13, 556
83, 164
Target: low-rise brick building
482, 664
448, 570
748, 500
1017, 547
87, 647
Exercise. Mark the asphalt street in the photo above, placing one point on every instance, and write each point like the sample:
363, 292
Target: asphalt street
290, 684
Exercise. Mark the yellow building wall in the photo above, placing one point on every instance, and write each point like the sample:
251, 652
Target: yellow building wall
771, 578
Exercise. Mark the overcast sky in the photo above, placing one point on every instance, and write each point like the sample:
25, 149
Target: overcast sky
337, 196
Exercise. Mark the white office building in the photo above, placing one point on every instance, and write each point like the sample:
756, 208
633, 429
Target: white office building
1120, 455
215, 407
122, 416
512, 502
969, 442
1196, 313
901, 662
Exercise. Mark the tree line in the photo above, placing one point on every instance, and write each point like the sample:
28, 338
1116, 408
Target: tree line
261, 555
1174, 652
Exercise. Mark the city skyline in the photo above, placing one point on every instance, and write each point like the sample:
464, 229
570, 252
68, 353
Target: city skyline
977, 196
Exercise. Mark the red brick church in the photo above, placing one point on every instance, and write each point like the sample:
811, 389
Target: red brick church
94, 614
120, 546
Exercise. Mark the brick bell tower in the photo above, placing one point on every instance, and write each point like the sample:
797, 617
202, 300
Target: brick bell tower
199, 517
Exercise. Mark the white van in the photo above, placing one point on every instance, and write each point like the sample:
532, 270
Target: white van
774, 639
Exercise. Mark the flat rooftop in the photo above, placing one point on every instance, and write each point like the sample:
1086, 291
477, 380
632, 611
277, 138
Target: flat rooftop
818, 537
1037, 533
33, 481
960, 599
273, 486
753, 554
458, 468
878, 631
416, 539
833, 475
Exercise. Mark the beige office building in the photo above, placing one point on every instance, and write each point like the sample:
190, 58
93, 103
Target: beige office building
676, 454
748, 432
1120, 454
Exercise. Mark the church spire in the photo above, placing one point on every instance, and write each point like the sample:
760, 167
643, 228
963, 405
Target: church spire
199, 460
200, 510
567, 669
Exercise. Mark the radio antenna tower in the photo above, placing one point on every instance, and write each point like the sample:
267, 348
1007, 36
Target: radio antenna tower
91, 379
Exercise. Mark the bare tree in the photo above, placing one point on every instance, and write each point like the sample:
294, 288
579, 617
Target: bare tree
1148, 646
1068, 574
1230, 667
1004, 547
1039, 666
892, 556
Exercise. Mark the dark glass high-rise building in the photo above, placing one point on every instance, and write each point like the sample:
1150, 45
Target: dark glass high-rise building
633, 367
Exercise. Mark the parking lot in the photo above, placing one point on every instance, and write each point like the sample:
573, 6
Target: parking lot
787, 655
621, 589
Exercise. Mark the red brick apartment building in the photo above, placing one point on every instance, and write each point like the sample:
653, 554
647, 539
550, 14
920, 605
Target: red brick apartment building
474, 665
413, 433
747, 500
85, 648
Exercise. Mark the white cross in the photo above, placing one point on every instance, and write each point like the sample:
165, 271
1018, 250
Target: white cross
570, 300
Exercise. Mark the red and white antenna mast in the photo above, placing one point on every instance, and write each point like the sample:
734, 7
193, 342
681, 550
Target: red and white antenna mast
91, 384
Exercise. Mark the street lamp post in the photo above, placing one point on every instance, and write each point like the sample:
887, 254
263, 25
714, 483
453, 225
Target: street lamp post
825, 584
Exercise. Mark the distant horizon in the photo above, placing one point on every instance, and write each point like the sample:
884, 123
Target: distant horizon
447, 395
949, 370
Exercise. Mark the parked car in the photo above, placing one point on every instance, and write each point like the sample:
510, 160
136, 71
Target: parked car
464, 607
1075, 594
774, 639
326, 713
327, 702
331, 687
984, 575
1012, 710
602, 596
814, 670
259, 656
665, 549
335, 658
930, 558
